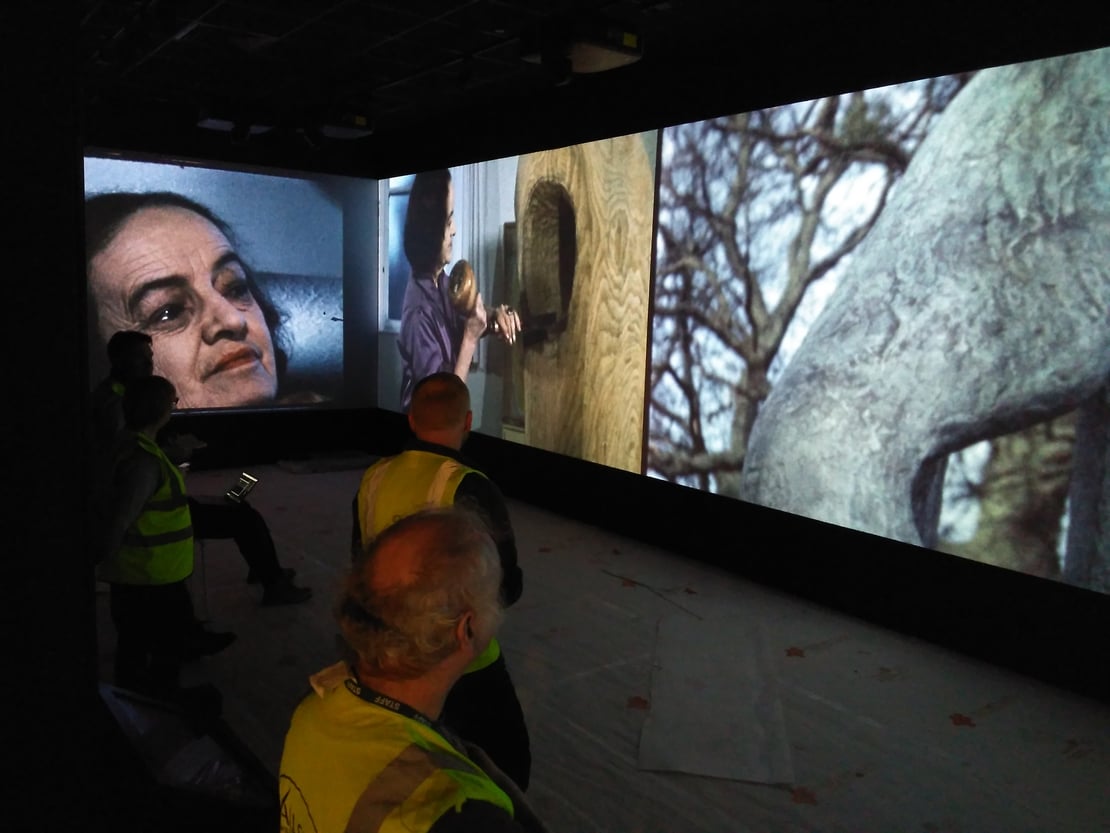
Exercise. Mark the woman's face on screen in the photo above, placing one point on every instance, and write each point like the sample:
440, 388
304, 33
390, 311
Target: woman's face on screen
446, 254
172, 274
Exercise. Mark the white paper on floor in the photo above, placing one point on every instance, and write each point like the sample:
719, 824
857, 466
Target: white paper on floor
715, 708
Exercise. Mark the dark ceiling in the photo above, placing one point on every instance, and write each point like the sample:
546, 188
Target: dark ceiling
304, 82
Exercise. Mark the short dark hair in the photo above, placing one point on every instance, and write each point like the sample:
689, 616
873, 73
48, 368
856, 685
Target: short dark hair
124, 345
106, 214
426, 219
439, 401
146, 400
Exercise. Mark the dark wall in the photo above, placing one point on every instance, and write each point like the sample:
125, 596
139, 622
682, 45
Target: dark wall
55, 734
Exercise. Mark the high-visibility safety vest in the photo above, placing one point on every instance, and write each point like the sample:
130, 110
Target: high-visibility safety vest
351, 765
398, 486
158, 547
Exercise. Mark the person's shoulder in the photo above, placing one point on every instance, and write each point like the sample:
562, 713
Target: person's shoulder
374, 468
105, 394
129, 451
477, 482
419, 286
133, 463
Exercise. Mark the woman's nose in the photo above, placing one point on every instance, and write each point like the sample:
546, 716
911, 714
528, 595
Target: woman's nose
223, 320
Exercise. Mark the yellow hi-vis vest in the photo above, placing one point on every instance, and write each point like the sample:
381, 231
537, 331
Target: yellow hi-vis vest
398, 486
158, 547
351, 765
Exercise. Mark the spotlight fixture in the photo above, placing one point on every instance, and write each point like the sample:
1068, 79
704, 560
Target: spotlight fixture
350, 120
585, 46
241, 125
601, 46
348, 126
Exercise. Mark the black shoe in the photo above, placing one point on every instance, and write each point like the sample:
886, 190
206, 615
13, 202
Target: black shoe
285, 593
205, 643
287, 572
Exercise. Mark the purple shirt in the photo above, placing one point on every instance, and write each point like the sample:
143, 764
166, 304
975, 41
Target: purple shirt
431, 332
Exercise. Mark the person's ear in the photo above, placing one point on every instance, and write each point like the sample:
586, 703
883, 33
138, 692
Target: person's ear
469, 420
412, 422
464, 631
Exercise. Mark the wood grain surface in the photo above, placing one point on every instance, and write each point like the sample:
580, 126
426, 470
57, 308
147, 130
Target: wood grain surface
584, 216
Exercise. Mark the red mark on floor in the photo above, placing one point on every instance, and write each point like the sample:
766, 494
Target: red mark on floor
961, 719
637, 702
794, 651
616, 551
627, 582
690, 590
800, 795
545, 549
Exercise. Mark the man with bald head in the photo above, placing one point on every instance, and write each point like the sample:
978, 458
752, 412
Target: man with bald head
483, 706
366, 750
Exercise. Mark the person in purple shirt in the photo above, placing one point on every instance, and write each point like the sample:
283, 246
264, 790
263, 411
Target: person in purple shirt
436, 337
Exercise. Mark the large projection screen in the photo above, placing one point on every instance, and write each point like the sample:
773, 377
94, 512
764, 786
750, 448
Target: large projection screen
308, 244
564, 237
888, 310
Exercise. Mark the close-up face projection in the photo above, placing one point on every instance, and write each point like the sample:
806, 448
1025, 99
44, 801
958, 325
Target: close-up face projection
239, 278
172, 274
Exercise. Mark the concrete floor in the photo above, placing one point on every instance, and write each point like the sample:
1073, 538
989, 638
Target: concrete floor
666, 695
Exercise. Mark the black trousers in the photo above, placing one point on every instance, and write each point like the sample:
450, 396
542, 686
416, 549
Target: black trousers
215, 518
152, 623
483, 709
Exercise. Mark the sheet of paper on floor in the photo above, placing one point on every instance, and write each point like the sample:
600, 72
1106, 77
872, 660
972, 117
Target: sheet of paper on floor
715, 708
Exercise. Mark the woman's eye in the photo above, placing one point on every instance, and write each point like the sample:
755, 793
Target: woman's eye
238, 290
232, 284
166, 316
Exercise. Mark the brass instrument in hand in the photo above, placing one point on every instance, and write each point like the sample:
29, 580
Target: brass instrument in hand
463, 287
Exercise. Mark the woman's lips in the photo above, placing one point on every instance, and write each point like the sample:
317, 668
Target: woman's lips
233, 361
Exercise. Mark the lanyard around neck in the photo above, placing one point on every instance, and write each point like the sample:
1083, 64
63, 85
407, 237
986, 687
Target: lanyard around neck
378, 699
